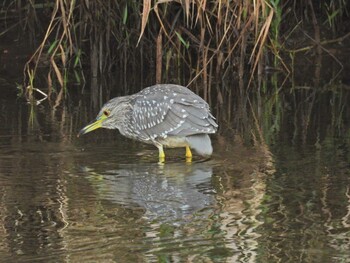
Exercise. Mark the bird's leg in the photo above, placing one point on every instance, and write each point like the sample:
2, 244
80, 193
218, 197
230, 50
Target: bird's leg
161, 153
188, 154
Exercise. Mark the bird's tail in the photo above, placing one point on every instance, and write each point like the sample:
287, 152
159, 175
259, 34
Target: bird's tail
200, 143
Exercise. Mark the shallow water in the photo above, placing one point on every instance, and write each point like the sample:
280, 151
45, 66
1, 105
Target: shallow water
104, 198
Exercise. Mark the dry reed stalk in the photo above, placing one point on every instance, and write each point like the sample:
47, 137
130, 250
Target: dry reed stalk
145, 14
159, 56
260, 42
205, 36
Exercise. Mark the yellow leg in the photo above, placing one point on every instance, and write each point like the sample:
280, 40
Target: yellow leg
161, 154
188, 154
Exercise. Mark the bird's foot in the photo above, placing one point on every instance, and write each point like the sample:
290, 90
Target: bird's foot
188, 155
188, 159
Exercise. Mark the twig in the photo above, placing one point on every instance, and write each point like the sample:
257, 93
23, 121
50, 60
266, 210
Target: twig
37, 102
339, 39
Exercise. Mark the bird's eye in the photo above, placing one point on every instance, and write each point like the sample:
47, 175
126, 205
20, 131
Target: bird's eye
106, 113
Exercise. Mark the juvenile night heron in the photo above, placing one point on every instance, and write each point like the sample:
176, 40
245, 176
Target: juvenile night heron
163, 115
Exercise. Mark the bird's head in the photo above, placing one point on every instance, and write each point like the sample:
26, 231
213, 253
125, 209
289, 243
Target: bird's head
111, 116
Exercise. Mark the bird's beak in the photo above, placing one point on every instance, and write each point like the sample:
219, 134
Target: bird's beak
93, 125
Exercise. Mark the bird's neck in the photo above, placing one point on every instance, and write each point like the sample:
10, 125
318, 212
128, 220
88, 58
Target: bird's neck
124, 117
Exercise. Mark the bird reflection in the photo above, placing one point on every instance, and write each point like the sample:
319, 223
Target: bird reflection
166, 192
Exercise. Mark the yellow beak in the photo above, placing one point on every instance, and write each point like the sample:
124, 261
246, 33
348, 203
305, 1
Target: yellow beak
93, 125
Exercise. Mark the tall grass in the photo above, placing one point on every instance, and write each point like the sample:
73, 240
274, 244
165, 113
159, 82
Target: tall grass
193, 42
187, 41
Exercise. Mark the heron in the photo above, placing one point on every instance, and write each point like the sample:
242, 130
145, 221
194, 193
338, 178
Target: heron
165, 115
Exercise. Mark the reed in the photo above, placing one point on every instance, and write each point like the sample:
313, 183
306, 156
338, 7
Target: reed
190, 42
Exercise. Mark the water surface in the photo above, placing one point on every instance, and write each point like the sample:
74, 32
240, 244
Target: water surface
104, 198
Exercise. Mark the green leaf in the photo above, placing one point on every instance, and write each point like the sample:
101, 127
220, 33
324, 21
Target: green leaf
77, 58
125, 14
77, 77
186, 44
52, 46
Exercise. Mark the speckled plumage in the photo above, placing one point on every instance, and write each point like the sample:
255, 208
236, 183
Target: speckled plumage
164, 114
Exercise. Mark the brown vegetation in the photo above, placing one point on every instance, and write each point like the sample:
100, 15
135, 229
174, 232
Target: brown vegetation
196, 42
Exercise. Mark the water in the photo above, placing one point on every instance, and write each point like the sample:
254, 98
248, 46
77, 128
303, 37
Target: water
104, 198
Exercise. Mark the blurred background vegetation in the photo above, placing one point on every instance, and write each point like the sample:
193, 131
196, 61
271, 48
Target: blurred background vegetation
201, 42
224, 50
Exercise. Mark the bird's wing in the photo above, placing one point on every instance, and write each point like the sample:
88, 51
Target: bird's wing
171, 113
